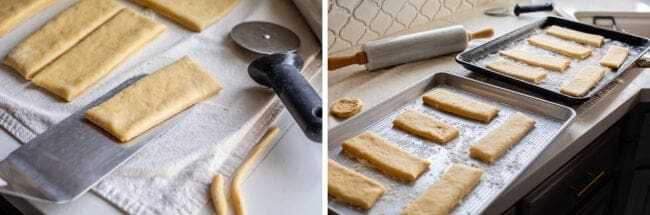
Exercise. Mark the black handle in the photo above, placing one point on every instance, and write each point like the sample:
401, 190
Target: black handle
282, 73
532, 8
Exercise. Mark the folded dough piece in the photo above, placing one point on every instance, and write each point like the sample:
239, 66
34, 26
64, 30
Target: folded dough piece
614, 57
577, 36
59, 34
447, 192
546, 62
386, 156
423, 125
14, 12
90, 60
196, 14
559, 47
517, 71
494, 144
352, 187
462, 106
583, 81
153, 99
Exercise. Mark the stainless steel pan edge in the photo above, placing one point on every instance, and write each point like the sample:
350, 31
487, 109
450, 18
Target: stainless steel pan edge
369, 118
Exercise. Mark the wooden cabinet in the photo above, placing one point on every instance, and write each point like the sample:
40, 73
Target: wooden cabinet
583, 181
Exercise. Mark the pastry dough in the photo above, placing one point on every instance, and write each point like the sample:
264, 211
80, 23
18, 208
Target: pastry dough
546, 62
577, 36
447, 192
462, 106
494, 144
517, 71
386, 156
345, 108
244, 169
583, 81
423, 125
560, 47
59, 34
218, 195
153, 99
614, 57
14, 12
87, 62
196, 14
352, 187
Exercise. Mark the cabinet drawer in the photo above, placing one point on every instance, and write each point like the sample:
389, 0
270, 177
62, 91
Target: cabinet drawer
564, 191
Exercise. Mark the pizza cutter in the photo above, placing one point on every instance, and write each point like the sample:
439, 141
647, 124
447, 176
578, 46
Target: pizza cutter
279, 68
519, 9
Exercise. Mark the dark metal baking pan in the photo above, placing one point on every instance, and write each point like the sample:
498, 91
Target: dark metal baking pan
474, 59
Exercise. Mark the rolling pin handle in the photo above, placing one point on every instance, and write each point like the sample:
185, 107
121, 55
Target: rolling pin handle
481, 34
338, 62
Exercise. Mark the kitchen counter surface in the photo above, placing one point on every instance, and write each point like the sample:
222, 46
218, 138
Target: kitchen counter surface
593, 117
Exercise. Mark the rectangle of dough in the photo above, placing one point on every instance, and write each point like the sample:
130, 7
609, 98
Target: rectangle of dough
462, 106
385, 156
517, 71
447, 192
614, 57
494, 144
577, 36
546, 62
583, 81
59, 34
560, 47
90, 60
14, 12
352, 187
196, 14
153, 99
426, 126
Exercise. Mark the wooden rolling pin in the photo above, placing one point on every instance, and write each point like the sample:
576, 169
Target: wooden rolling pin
410, 47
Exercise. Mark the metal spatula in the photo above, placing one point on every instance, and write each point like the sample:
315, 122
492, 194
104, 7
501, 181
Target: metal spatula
70, 157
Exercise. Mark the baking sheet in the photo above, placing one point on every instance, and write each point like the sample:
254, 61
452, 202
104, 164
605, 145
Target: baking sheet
551, 118
476, 58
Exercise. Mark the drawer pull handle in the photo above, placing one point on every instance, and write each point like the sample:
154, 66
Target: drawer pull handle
586, 188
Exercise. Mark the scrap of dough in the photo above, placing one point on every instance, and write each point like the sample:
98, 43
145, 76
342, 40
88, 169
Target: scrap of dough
459, 105
447, 192
546, 62
352, 187
583, 81
423, 125
345, 108
244, 169
218, 195
577, 36
560, 47
517, 71
90, 60
196, 14
14, 12
614, 57
153, 99
494, 144
59, 34
386, 156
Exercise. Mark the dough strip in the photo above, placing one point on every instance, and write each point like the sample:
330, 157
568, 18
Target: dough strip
59, 34
352, 187
14, 12
583, 81
517, 71
218, 195
385, 156
494, 144
577, 36
614, 57
244, 170
423, 125
560, 47
447, 192
453, 103
546, 62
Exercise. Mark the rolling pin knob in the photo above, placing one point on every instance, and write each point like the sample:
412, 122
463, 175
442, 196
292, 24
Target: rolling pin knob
338, 62
481, 34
